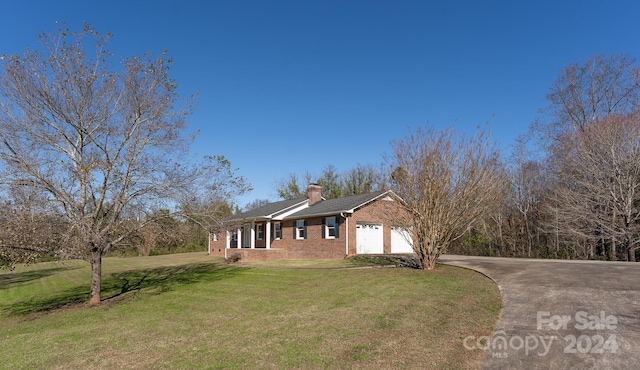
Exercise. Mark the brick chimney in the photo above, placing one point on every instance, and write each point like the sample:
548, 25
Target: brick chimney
314, 193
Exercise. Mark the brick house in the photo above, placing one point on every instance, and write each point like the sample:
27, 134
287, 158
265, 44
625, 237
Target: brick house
316, 228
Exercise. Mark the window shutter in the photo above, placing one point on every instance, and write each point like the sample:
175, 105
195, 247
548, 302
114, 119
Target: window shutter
295, 227
324, 223
338, 222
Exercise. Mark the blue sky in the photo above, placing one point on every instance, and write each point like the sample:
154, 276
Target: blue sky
292, 86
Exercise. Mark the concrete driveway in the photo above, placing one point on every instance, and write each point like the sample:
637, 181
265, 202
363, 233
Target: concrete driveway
561, 314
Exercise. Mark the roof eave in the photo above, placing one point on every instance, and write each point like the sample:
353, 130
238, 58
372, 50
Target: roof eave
324, 214
273, 215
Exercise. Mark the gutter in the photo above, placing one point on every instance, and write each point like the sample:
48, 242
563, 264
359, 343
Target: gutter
346, 246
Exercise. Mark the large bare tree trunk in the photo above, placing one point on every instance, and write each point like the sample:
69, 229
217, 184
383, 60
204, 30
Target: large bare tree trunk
612, 250
96, 276
427, 252
631, 251
430, 260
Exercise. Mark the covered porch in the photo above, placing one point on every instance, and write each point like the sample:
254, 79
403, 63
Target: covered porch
254, 235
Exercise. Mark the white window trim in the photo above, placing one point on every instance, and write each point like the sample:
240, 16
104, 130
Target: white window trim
326, 227
277, 230
298, 237
260, 231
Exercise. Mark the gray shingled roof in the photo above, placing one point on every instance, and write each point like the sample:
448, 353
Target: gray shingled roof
268, 210
337, 205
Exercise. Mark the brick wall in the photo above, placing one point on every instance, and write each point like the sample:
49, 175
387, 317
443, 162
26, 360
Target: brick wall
381, 211
246, 254
314, 245
217, 247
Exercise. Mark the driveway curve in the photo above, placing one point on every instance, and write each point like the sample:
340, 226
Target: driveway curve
560, 314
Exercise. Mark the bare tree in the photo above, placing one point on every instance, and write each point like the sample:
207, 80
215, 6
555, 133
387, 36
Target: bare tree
526, 177
583, 94
256, 203
598, 197
103, 146
447, 181
211, 200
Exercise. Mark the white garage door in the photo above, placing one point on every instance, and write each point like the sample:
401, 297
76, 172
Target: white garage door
369, 239
400, 240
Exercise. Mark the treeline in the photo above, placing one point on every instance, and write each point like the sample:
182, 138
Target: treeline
579, 197
580, 201
40, 236
358, 180
166, 235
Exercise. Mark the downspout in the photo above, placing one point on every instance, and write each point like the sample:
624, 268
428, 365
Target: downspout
346, 247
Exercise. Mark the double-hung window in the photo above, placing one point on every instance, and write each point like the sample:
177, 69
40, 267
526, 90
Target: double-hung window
260, 231
330, 228
277, 230
300, 229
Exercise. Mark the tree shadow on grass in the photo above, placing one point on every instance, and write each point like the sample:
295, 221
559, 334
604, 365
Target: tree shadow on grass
150, 281
69, 297
163, 279
12, 280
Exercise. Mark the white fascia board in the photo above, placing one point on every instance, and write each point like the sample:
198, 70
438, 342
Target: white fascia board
294, 208
291, 211
388, 195
382, 196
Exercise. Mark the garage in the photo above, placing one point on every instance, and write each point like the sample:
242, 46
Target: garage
401, 241
369, 238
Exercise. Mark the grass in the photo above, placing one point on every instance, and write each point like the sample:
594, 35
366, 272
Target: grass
194, 311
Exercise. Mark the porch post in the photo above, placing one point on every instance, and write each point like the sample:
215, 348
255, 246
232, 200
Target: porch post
267, 235
239, 241
346, 247
228, 239
252, 241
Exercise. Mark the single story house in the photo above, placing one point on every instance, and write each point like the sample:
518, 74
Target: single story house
314, 227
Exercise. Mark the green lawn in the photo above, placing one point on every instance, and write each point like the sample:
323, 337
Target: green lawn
193, 311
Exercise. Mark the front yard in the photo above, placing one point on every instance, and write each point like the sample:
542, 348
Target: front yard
194, 311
